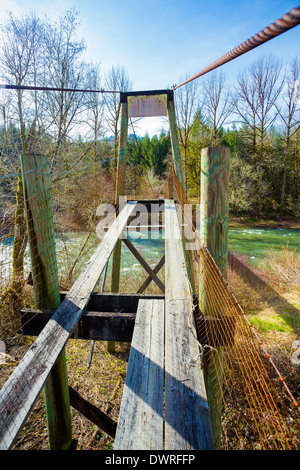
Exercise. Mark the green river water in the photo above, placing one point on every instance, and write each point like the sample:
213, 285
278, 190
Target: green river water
256, 243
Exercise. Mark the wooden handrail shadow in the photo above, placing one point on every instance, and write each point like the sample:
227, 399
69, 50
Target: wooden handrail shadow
259, 285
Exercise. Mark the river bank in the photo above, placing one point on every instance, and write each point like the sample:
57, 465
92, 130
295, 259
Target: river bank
252, 222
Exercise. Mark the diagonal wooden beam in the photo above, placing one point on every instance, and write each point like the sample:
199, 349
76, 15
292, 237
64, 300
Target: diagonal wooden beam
23, 387
149, 278
91, 412
144, 264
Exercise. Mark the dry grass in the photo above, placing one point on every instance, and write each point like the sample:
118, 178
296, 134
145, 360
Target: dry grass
283, 268
270, 294
101, 384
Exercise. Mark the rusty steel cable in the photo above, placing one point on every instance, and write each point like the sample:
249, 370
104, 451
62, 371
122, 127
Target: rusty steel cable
281, 25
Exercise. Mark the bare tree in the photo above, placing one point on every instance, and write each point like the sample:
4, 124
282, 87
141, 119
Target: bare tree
186, 105
95, 108
256, 95
20, 63
35, 52
217, 104
65, 69
289, 112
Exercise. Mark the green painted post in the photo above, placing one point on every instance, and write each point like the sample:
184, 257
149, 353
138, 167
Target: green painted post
175, 141
122, 156
39, 220
214, 235
116, 260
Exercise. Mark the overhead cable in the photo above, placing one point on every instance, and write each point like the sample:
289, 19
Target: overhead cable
43, 88
286, 22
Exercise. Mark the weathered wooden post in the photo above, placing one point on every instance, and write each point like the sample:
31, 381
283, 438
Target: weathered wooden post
214, 235
39, 220
116, 260
175, 140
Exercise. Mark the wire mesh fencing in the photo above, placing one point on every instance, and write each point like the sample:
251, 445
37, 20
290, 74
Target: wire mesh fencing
14, 256
32, 280
67, 210
48, 234
256, 406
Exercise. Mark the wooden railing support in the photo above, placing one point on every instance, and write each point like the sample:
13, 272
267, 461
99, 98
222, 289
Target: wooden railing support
39, 219
121, 168
214, 235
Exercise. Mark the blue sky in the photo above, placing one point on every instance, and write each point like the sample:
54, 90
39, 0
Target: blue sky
160, 41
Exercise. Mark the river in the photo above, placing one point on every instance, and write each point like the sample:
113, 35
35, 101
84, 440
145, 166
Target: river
254, 243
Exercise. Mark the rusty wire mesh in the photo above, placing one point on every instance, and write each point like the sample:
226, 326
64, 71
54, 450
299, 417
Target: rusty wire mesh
31, 257
257, 404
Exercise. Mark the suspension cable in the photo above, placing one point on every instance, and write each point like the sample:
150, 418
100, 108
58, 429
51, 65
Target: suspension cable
286, 22
42, 88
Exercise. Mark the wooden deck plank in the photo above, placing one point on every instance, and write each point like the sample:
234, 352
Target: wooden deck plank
140, 425
187, 422
20, 392
175, 268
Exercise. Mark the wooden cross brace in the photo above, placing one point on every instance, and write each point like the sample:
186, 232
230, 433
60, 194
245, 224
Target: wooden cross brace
152, 273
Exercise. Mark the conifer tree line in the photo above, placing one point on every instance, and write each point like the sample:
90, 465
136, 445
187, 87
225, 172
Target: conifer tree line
257, 116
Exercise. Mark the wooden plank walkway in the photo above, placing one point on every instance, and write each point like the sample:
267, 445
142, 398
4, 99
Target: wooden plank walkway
20, 392
140, 424
164, 404
186, 410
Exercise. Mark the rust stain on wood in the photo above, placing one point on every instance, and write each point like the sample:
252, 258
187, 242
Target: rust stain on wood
147, 106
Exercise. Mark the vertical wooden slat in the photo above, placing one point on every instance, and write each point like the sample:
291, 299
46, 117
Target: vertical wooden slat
122, 156
39, 219
214, 235
120, 191
175, 142
187, 422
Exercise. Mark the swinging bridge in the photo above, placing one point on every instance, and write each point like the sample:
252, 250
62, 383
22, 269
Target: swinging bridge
189, 343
